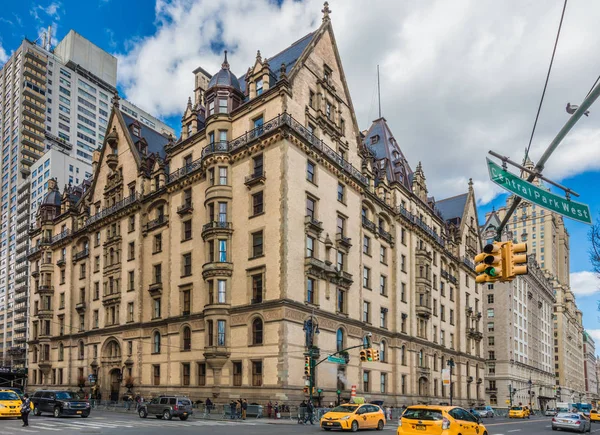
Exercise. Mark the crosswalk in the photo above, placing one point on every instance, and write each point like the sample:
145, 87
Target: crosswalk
50, 425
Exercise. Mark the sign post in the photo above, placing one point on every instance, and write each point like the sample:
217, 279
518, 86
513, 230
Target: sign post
337, 360
532, 193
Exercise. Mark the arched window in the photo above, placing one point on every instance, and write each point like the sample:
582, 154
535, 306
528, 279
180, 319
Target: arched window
382, 349
111, 256
442, 363
403, 355
35, 354
257, 331
61, 352
435, 362
81, 350
339, 340
187, 338
421, 356
156, 342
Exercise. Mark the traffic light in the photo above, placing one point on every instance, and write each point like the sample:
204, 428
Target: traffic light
307, 366
363, 355
369, 354
375, 355
489, 267
514, 257
305, 390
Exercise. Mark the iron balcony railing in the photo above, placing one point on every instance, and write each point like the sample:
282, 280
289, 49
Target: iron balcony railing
156, 222
81, 254
266, 128
216, 225
112, 209
368, 224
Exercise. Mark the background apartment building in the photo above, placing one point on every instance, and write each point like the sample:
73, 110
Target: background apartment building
590, 368
55, 99
264, 192
519, 337
548, 241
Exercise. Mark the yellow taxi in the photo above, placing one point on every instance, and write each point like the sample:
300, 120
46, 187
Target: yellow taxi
518, 412
10, 404
439, 420
354, 416
594, 415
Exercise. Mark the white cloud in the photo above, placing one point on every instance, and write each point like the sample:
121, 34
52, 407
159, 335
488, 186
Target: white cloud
52, 10
3, 56
457, 78
595, 333
585, 283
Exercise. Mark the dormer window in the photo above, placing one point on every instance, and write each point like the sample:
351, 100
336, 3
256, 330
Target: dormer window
259, 87
374, 139
222, 105
189, 129
211, 108
326, 73
136, 130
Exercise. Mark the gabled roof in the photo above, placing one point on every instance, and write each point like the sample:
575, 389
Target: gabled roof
289, 56
492, 221
156, 141
380, 140
452, 208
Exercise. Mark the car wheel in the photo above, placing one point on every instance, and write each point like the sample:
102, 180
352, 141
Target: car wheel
183, 417
167, 415
553, 428
85, 415
143, 413
36, 411
354, 426
380, 425
57, 412
159, 416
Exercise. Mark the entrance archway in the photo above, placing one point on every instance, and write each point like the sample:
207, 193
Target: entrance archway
115, 385
423, 387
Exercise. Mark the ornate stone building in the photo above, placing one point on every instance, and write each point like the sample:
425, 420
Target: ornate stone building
192, 265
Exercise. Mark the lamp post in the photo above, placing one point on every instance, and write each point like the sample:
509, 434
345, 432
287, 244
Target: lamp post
530, 384
311, 327
451, 365
510, 394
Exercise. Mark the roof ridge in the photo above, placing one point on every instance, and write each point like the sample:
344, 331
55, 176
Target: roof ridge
291, 45
453, 197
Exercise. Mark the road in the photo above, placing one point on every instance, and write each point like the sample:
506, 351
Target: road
102, 422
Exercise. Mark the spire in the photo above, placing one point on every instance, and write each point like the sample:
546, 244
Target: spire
225, 64
326, 11
258, 57
189, 104
470, 184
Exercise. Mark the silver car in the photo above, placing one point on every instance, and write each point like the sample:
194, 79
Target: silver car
550, 412
571, 421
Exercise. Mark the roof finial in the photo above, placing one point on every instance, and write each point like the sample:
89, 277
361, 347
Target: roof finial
189, 104
470, 184
326, 11
258, 57
225, 64
115, 100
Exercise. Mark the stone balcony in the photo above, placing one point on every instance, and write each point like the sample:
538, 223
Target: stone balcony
423, 311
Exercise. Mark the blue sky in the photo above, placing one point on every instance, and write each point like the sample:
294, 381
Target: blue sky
457, 79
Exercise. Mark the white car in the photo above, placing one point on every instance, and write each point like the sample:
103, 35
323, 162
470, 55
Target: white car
550, 412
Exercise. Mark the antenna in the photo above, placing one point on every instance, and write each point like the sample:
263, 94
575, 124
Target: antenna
378, 91
49, 38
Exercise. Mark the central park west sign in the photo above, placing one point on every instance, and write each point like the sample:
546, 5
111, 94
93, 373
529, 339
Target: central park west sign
543, 198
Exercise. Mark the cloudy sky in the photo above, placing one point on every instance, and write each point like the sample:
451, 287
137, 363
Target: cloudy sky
458, 78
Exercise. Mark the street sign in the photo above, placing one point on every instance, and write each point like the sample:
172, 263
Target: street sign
336, 359
530, 192
446, 376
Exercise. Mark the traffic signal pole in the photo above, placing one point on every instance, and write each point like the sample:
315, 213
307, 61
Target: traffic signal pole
585, 105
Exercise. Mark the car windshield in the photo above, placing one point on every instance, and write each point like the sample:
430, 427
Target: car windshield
8, 395
66, 395
423, 414
565, 415
350, 408
516, 408
480, 408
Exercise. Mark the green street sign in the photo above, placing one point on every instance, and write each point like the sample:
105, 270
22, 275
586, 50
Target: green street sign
335, 359
543, 198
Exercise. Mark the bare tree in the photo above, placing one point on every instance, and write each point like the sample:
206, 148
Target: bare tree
594, 238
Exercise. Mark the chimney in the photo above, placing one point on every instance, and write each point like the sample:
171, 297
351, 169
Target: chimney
201, 79
95, 160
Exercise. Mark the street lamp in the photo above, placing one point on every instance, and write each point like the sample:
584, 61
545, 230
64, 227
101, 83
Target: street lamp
310, 328
451, 365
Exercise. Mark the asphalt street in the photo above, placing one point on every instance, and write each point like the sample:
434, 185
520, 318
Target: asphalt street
102, 422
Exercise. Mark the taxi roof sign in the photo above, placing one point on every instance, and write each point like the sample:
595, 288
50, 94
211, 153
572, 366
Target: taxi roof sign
357, 400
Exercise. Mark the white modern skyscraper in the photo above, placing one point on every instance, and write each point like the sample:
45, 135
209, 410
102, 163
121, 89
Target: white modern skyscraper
54, 100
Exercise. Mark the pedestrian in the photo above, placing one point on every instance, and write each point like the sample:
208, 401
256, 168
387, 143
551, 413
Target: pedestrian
208, 405
276, 410
391, 412
269, 409
232, 409
25, 410
244, 408
238, 408
309, 412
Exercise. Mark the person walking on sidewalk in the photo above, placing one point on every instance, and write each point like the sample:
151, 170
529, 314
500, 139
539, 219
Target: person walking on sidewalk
269, 409
310, 409
208, 405
244, 408
25, 410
